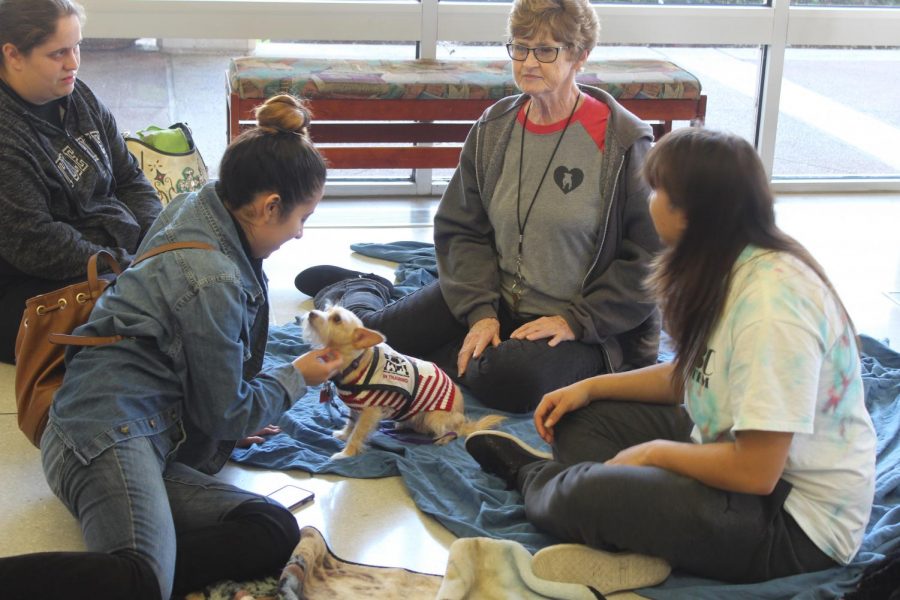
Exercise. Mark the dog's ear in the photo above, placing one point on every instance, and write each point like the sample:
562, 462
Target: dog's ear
366, 338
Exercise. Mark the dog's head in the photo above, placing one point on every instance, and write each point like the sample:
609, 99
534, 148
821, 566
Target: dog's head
340, 330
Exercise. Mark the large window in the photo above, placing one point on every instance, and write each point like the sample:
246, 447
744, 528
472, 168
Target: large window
808, 81
838, 114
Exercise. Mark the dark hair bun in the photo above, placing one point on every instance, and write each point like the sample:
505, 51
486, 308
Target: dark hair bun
284, 113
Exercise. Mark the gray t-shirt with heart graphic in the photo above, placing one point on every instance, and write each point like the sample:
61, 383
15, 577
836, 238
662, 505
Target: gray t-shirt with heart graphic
560, 235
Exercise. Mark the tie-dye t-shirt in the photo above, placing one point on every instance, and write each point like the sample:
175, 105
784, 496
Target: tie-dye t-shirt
783, 358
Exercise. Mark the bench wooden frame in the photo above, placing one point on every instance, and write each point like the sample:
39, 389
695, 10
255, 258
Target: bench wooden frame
411, 122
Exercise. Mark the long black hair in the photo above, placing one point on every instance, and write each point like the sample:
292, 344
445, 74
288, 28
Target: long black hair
718, 182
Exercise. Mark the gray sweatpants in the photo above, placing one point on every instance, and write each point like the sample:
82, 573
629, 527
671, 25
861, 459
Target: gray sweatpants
706, 531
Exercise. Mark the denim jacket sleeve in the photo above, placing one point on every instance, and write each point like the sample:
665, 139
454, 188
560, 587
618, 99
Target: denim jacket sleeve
214, 331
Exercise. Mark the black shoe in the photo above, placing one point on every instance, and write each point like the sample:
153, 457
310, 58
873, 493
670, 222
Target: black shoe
502, 454
313, 280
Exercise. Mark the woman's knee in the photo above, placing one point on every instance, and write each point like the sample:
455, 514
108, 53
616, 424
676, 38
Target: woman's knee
562, 500
278, 524
508, 376
503, 383
588, 434
515, 375
136, 573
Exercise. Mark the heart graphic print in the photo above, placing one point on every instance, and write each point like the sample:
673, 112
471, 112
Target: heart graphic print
568, 179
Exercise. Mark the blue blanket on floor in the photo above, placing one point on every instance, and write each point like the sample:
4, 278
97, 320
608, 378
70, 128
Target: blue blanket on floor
416, 263
443, 480
447, 484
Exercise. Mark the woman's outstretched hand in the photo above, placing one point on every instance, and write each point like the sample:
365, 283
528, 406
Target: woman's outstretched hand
482, 333
317, 366
258, 437
556, 404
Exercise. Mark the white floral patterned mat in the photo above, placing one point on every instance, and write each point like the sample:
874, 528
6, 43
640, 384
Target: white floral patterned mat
315, 573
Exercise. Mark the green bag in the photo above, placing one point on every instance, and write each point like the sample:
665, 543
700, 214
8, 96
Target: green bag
169, 158
172, 140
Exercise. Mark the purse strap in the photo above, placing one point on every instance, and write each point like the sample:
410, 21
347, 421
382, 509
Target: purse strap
94, 285
65, 339
96, 289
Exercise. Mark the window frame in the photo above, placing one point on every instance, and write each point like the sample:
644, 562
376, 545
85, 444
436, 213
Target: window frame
428, 22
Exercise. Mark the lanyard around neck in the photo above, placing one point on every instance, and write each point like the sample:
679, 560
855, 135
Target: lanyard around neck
522, 223
518, 287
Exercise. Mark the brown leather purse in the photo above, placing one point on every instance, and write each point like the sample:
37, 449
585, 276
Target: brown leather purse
45, 331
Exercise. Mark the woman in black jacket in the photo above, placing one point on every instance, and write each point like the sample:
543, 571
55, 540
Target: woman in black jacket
68, 185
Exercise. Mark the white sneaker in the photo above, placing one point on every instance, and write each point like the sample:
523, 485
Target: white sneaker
606, 572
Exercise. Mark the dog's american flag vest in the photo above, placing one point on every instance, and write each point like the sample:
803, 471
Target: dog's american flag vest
401, 385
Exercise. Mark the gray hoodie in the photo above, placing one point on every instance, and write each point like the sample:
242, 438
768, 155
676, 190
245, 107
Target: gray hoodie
67, 193
613, 309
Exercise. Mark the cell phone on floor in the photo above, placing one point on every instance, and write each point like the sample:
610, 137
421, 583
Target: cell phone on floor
291, 496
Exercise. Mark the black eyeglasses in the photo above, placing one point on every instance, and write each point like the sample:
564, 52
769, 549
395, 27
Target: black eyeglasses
544, 54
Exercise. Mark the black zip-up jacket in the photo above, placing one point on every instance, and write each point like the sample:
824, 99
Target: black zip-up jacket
66, 193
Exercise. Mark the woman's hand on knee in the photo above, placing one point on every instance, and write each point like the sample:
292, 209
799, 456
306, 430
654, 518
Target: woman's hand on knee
556, 328
640, 455
483, 333
556, 404
317, 366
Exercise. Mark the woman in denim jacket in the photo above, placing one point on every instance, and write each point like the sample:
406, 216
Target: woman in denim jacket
138, 426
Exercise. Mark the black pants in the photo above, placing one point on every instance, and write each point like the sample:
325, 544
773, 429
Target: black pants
740, 538
12, 305
254, 540
513, 376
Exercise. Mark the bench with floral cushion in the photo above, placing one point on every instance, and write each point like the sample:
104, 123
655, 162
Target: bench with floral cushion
374, 114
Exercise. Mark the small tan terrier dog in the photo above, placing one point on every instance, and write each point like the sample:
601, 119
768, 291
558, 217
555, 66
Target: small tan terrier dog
376, 382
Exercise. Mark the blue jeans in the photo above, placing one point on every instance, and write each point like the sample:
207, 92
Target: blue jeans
131, 498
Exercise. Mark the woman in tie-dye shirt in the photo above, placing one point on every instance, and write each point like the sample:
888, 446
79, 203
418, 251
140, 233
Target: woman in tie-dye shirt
751, 455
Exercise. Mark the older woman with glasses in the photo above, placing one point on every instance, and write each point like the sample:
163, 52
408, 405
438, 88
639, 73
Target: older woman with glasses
543, 237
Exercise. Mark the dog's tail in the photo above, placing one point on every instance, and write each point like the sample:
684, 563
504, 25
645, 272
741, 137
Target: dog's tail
486, 422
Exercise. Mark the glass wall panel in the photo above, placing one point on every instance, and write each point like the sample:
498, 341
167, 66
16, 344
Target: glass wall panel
839, 114
837, 118
678, 2
329, 49
183, 80
144, 85
854, 3
686, 2
728, 76
358, 50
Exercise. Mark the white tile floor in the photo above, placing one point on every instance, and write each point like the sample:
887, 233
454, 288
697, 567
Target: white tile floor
854, 237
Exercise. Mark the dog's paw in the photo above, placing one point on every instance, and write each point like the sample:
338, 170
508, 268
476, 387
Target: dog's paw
341, 434
342, 455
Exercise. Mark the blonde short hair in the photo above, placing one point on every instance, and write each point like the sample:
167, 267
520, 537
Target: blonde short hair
571, 22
